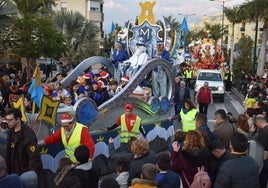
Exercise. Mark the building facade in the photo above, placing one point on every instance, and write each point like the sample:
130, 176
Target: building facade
90, 9
240, 29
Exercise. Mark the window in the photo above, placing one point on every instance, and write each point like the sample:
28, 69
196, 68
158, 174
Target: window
93, 6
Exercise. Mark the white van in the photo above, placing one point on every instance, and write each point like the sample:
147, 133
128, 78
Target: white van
214, 79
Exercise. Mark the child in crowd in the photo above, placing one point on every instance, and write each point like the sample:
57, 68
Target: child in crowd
148, 177
122, 173
166, 178
112, 88
67, 100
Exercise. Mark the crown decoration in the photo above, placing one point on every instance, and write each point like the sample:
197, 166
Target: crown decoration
43, 150
157, 124
208, 41
100, 139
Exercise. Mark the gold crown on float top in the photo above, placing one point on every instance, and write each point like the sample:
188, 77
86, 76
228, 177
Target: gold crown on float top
208, 41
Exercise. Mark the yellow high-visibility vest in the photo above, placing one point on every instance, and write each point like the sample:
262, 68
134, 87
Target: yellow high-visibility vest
74, 141
188, 120
135, 132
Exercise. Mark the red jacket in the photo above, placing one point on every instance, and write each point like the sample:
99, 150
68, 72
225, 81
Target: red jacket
204, 95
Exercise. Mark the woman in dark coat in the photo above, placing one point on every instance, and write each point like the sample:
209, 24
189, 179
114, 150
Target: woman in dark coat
193, 154
142, 155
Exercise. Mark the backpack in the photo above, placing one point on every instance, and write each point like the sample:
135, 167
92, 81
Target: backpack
201, 179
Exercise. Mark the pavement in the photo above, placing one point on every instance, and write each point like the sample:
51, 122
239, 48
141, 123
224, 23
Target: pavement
238, 94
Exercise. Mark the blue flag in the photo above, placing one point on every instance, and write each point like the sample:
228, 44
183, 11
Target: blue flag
36, 92
112, 27
182, 32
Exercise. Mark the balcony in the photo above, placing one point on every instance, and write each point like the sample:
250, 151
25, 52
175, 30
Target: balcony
97, 16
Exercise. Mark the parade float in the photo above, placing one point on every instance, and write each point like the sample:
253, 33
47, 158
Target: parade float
153, 110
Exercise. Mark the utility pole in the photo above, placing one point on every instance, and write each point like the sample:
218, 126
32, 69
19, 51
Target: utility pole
222, 18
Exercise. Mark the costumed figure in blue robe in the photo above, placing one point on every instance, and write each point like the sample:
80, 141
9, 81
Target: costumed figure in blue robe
159, 76
117, 57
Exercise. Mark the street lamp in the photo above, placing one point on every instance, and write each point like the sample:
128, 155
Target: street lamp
222, 18
186, 15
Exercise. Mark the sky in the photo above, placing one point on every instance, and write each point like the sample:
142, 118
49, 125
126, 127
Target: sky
120, 11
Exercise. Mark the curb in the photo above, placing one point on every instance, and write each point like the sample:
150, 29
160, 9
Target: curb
238, 94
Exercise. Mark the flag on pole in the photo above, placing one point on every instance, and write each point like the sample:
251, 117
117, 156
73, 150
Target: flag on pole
36, 88
182, 32
112, 27
48, 110
19, 103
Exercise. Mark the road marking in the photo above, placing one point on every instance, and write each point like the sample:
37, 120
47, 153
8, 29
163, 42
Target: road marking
211, 120
220, 106
238, 107
232, 99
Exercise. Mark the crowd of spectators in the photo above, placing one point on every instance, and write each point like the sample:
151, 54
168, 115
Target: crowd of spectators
222, 151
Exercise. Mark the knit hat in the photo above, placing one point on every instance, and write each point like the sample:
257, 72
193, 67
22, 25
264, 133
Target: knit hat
81, 154
87, 76
129, 107
66, 118
125, 78
104, 74
138, 91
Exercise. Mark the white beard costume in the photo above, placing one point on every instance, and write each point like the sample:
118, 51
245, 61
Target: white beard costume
139, 58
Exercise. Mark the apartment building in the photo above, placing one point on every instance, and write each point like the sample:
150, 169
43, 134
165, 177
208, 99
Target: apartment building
240, 29
90, 9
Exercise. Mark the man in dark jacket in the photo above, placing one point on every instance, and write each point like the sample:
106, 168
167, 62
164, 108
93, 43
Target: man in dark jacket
84, 171
219, 155
240, 171
201, 125
22, 154
223, 128
261, 136
181, 94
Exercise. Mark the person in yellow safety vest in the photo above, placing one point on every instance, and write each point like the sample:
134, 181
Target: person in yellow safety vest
228, 79
187, 116
188, 74
72, 134
130, 125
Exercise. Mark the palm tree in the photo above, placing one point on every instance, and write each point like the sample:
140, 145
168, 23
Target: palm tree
234, 16
69, 23
254, 11
215, 30
7, 10
80, 34
195, 35
86, 43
